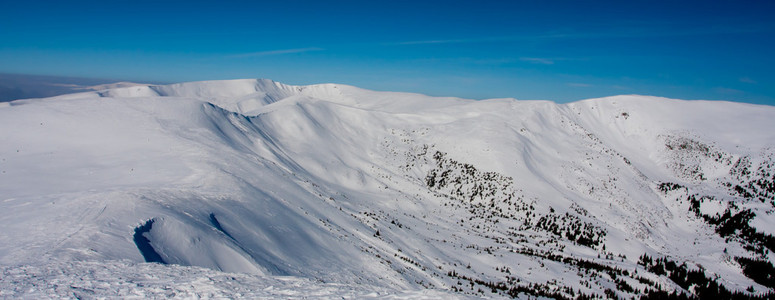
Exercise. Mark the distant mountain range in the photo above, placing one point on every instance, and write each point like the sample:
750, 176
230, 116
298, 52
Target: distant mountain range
19, 86
334, 190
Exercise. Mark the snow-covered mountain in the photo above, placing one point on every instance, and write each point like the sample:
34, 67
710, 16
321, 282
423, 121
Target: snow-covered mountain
363, 193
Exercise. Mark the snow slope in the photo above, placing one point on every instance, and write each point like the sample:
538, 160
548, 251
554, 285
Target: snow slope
127, 280
380, 191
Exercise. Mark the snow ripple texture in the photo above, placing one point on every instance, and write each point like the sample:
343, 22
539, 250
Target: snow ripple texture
129, 280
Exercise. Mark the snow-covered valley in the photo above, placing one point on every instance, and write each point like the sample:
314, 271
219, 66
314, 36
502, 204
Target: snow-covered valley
333, 191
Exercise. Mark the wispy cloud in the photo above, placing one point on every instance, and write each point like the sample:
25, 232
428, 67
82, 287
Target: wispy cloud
576, 84
494, 61
459, 41
538, 60
727, 91
431, 42
632, 32
276, 52
748, 80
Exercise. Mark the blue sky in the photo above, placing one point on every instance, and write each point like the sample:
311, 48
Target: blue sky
556, 50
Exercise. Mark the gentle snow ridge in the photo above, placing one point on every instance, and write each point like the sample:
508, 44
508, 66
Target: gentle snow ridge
377, 193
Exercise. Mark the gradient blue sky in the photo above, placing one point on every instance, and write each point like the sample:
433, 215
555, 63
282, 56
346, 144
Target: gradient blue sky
556, 50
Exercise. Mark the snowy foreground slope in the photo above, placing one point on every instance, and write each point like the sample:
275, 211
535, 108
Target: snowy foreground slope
330, 190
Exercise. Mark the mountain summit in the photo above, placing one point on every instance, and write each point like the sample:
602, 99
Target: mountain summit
334, 188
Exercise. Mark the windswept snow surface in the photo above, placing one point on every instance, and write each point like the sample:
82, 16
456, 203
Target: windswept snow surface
329, 190
128, 280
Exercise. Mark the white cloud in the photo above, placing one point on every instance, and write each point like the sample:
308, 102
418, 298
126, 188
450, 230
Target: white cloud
459, 41
636, 31
538, 60
748, 80
576, 84
276, 52
727, 91
433, 42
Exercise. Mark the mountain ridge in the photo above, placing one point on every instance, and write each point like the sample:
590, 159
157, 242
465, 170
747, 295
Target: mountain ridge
345, 185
